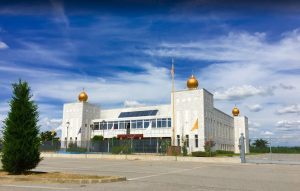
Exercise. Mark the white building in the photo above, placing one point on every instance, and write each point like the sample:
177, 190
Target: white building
193, 113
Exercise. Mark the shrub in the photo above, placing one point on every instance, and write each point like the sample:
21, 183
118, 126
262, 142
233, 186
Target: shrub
125, 149
203, 154
224, 152
98, 138
72, 147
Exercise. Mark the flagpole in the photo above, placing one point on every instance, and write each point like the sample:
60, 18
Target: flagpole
173, 106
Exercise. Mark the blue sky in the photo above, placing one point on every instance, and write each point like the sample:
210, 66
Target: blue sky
245, 53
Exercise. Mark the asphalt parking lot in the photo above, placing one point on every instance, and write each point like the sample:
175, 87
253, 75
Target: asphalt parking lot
168, 175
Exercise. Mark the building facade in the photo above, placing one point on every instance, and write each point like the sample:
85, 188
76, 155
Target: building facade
189, 119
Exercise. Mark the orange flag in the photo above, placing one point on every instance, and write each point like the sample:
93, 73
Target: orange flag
195, 125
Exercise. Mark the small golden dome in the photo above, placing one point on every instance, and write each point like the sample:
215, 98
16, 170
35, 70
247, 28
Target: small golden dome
235, 111
82, 97
192, 83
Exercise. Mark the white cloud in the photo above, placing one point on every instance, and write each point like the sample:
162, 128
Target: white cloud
267, 133
237, 47
255, 108
48, 124
132, 103
244, 91
289, 109
288, 124
3, 45
59, 12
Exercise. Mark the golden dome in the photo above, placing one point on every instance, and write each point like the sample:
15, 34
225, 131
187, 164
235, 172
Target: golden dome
82, 97
235, 111
192, 83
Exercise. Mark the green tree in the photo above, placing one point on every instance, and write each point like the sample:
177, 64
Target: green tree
21, 141
97, 138
208, 146
260, 143
48, 136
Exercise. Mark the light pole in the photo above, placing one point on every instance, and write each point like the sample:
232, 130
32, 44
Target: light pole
103, 121
68, 124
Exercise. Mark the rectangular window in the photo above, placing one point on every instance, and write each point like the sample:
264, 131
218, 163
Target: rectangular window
153, 121
103, 125
133, 124
178, 140
196, 141
121, 125
158, 123
138, 113
146, 124
109, 124
169, 122
139, 124
164, 122
187, 140
115, 125
96, 126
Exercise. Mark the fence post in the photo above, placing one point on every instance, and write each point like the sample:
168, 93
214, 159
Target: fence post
270, 149
242, 148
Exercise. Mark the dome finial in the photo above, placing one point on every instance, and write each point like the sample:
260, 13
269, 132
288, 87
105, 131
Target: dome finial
235, 111
83, 97
192, 82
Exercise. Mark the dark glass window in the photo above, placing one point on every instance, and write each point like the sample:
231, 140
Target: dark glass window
187, 140
138, 113
139, 124
178, 140
115, 125
122, 125
158, 123
153, 121
109, 125
96, 126
169, 122
146, 123
133, 124
196, 141
103, 125
164, 122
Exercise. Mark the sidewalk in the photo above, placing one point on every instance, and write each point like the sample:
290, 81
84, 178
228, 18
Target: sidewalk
145, 157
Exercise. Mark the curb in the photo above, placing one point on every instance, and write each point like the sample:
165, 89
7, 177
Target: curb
229, 160
62, 180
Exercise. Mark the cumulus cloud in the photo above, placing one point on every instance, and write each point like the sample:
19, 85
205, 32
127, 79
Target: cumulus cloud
237, 47
289, 109
288, 124
48, 124
253, 126
267, 133
3, 45
241, 92
255, 108
132, 103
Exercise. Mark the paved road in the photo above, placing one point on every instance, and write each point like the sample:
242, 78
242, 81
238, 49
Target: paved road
274, 158
169, 175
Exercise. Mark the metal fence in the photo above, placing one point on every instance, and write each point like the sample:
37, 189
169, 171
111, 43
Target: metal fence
274, 150
114, 146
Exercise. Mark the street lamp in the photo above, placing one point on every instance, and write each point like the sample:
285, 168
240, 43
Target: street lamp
103, 121
68, 124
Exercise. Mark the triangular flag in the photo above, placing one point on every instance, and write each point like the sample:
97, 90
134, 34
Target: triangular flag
195, 125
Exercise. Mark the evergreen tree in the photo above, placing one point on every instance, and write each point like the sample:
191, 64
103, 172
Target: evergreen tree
21, 143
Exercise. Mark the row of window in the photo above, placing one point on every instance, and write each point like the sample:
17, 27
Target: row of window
134, 124
187, 140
